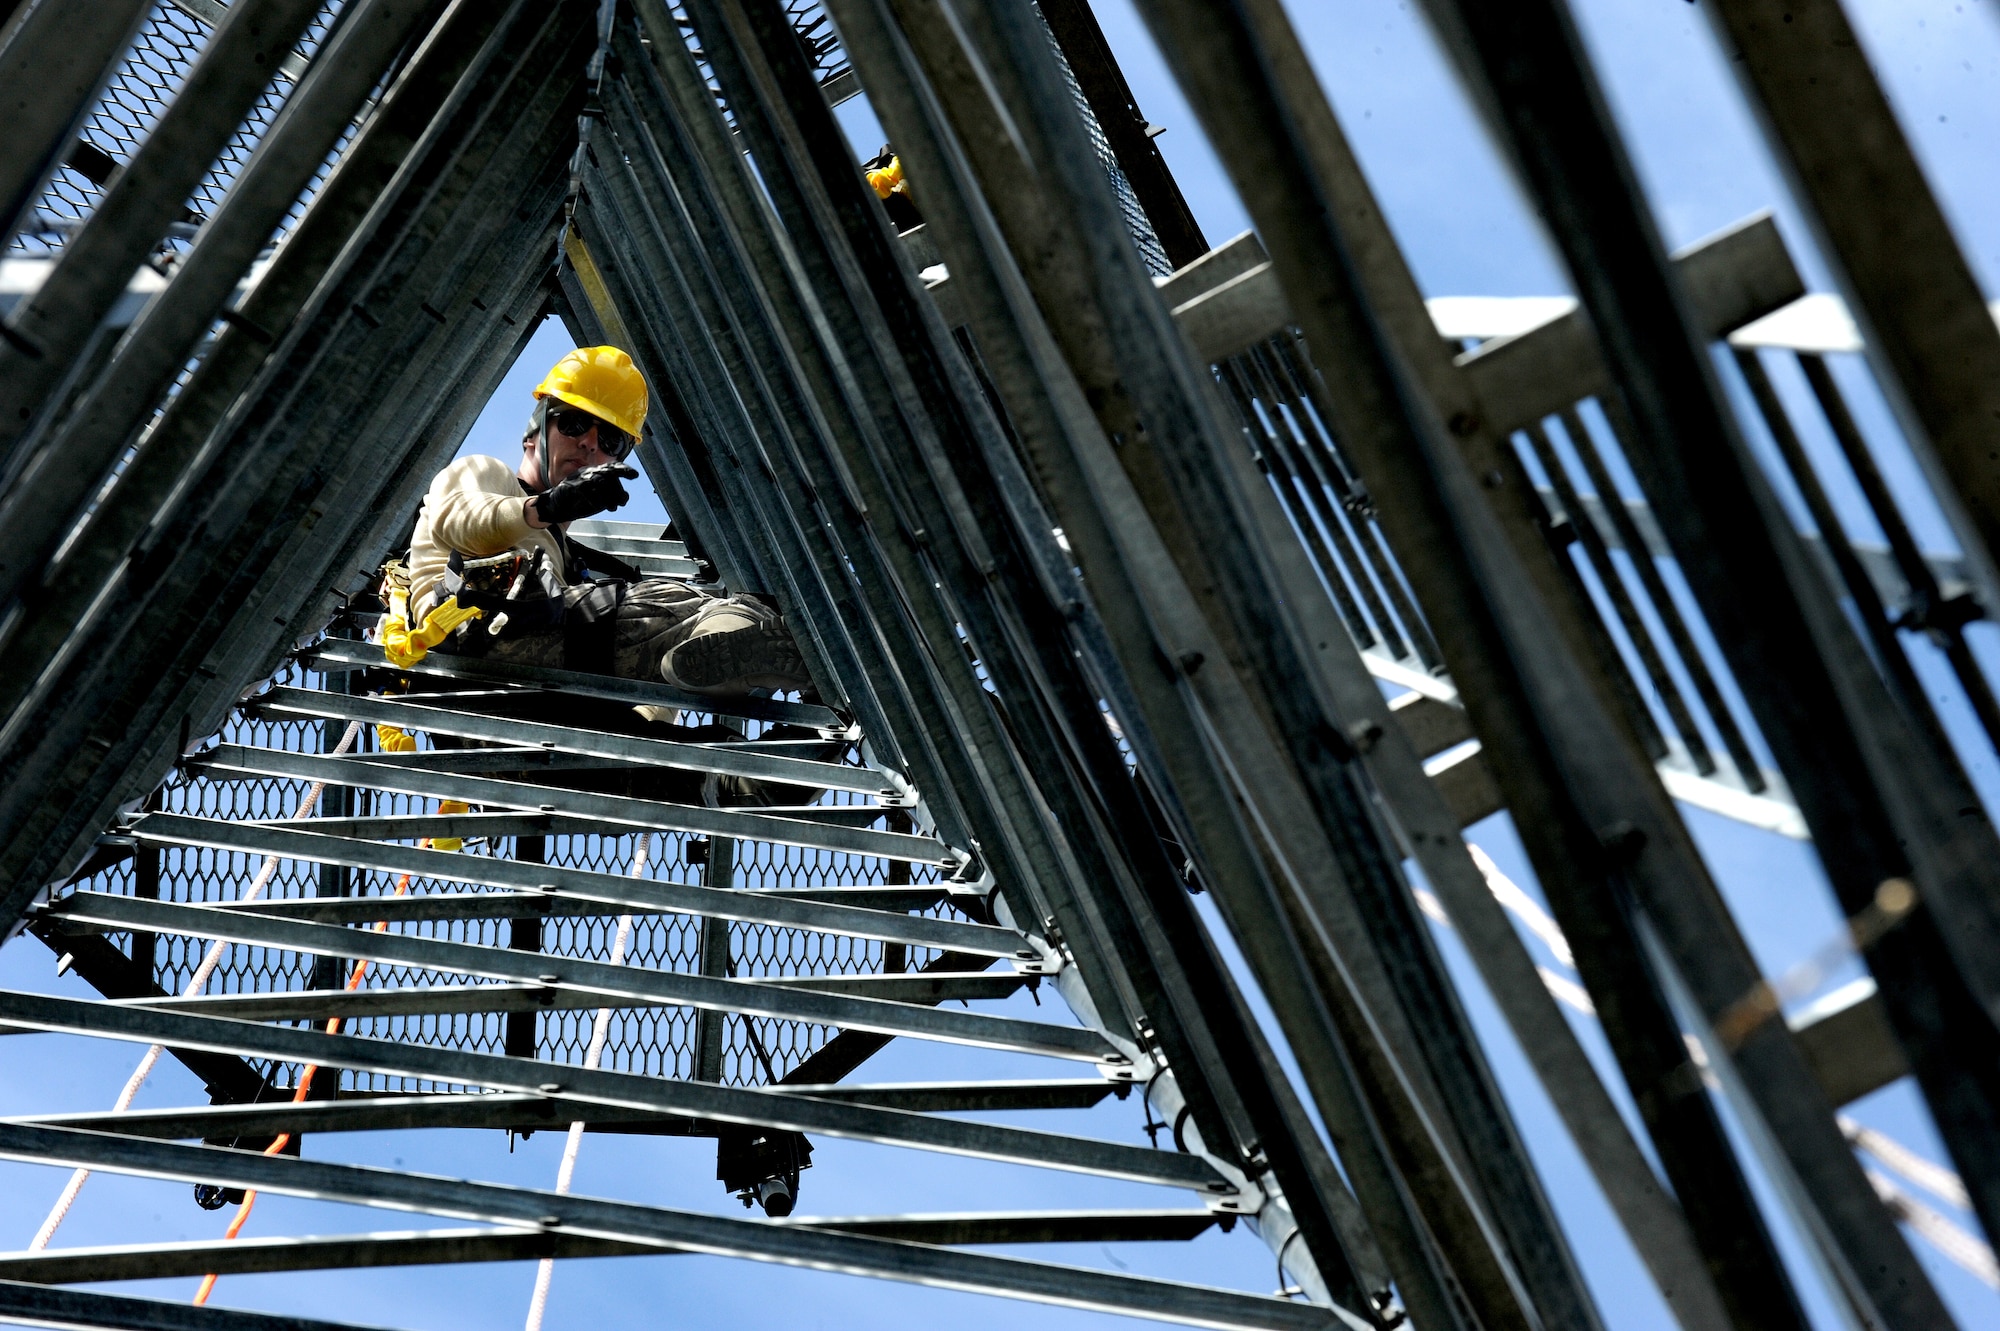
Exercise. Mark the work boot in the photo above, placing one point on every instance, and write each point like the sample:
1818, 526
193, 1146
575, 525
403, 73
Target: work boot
737, 645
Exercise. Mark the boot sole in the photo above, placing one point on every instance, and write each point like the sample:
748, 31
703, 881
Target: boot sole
748, 654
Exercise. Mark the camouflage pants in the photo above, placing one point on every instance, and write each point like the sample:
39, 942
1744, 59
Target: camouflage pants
656, 615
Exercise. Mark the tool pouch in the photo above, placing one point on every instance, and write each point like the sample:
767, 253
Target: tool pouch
590, 626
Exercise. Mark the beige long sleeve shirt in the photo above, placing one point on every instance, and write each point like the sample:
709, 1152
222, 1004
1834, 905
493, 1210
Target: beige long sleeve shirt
477, 507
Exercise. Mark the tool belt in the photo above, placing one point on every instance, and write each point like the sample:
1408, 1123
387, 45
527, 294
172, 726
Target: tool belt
520, 595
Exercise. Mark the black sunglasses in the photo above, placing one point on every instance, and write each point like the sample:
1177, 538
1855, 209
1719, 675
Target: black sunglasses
613, 442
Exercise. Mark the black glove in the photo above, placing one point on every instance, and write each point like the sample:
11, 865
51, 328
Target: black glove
591, 491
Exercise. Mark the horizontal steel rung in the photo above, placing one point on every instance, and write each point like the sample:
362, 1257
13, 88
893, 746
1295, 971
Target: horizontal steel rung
951, 1097
745, 762
40, 1305
650, 894
632, 813
379, 1113
388, 1113
618, 1090
590, 1217
447, 1246
334, 654
924, 1023
498, 759
594, 530
494, 826
474, 906
352, 1005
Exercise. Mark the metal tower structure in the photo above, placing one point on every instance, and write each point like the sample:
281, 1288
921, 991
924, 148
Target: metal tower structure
1130, 569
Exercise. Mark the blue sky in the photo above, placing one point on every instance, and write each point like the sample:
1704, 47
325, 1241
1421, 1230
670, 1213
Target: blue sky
1466, 231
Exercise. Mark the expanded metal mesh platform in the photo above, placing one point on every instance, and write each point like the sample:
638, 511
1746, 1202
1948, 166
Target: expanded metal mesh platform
655, 1042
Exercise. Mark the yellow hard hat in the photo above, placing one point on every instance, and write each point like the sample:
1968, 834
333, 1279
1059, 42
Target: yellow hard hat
602, 381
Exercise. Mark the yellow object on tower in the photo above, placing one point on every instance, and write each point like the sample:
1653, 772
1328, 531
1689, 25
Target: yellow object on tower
888, 180
450, 842
394, 739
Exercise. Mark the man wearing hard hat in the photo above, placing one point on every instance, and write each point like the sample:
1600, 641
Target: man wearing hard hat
492, 570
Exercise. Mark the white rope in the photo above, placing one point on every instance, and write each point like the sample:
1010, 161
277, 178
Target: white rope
600, 1032
1567, 991
1943, 1233
1509, 894
1926, 1174
195, 985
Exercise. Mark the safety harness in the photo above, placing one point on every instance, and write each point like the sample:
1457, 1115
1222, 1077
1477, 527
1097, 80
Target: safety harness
406, 644
513, 594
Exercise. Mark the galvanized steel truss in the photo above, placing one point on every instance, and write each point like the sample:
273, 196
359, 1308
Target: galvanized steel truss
1101, 545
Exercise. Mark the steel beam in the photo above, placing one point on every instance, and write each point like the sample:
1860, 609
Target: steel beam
1850, 1043
689, 166
220, 1122
340, 231
613, 889
492, 1111
1391, 426
64, 472
47, 333
319, 1005
1028, 373
1925, 321
441, 1247
116, 976
660, 1227
636, 814
848, 368
1884, 800
952, 1026
53, 66
444, 720
1731, 278
1134, 369
333, 655
36, 1306
768, 1107
238, 592
1126, 131
821, 190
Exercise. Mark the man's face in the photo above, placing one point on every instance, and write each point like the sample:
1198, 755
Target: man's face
570, 454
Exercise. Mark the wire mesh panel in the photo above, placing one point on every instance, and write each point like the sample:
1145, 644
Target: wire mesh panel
658, 1041
168, 44
1137, 224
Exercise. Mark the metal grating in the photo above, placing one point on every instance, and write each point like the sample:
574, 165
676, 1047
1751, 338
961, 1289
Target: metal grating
1137, 224
656, 1042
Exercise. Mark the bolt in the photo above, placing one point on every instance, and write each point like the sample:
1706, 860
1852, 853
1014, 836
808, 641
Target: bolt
1622, 842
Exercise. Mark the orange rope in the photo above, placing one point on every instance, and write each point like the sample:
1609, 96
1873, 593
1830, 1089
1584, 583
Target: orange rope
298, 1096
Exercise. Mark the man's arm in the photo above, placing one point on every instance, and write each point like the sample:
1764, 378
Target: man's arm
476, 507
